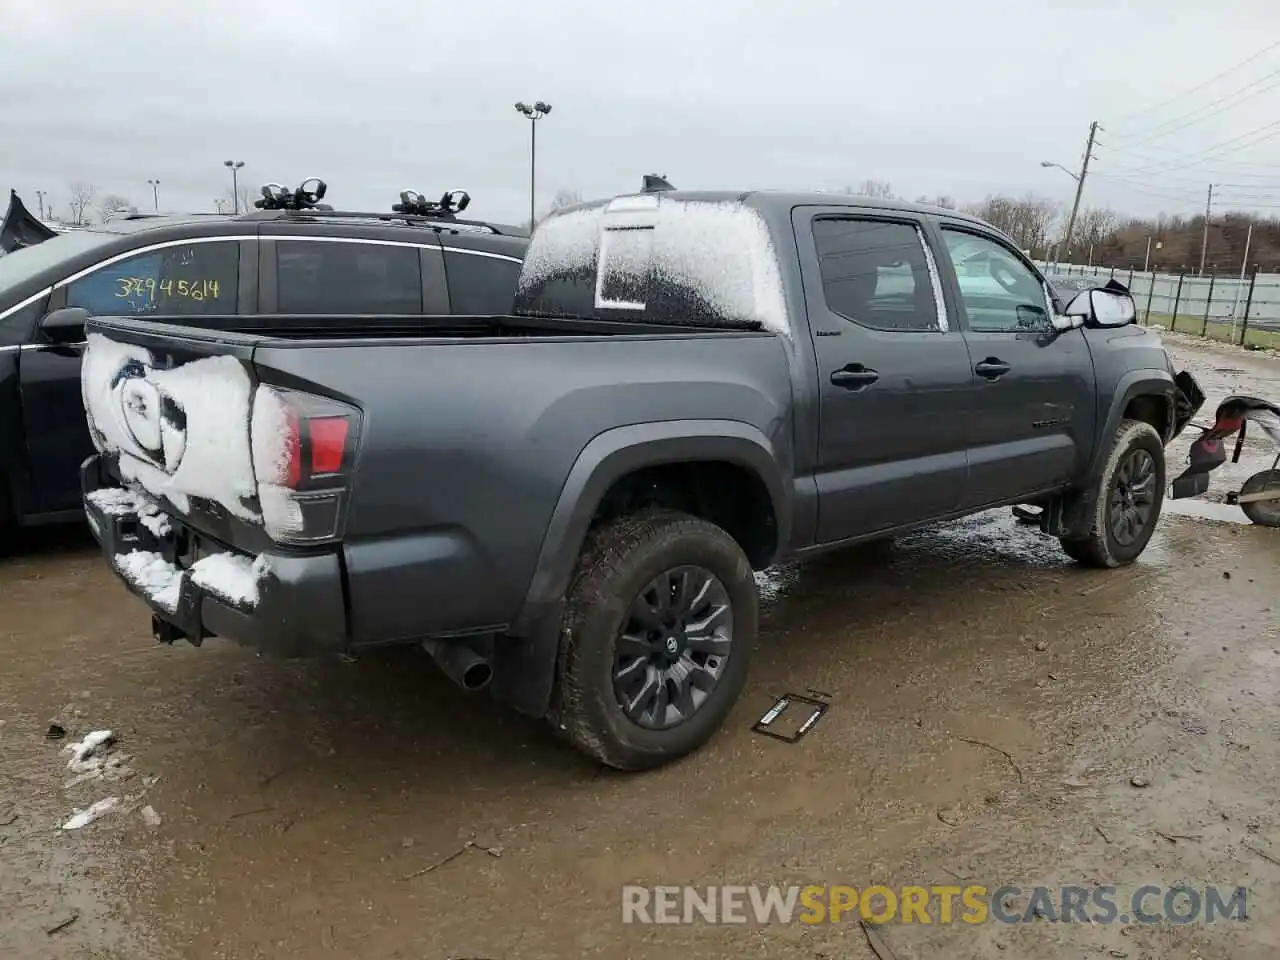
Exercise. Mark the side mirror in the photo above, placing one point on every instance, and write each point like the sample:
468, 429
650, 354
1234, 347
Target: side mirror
65, 325
1111, 309
1099, 308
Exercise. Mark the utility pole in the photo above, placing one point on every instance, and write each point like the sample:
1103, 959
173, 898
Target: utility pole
40, 197
1084, 170
1204, 244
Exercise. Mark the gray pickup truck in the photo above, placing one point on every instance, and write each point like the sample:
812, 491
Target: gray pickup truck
566, 504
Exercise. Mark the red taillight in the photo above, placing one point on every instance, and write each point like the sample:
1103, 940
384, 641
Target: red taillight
328, 443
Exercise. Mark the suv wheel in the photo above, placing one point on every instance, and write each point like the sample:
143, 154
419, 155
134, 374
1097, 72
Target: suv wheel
658, 628
1130, 494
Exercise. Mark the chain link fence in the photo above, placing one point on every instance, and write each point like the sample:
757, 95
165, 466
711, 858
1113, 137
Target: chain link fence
1243, 311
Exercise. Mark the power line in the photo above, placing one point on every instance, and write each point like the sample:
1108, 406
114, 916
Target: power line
1170, 126
1200, 86
1146, 159
1215, 150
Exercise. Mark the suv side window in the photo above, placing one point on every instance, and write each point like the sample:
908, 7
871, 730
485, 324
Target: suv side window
999, 292
355, 276
876, 273
187, 279
480, 285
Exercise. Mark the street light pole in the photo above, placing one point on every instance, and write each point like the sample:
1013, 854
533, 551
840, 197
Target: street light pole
40, 199
234, 166
533, 113
155, 193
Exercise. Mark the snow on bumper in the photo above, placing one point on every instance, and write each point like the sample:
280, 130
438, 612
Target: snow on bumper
288, 604
231, 578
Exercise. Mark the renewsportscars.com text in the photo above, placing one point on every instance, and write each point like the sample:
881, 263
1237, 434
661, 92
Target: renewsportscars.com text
941, 904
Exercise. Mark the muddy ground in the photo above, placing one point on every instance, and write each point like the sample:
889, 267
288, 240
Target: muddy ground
302, 802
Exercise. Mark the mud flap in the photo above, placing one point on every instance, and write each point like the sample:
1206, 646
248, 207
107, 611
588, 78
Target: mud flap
1069, 515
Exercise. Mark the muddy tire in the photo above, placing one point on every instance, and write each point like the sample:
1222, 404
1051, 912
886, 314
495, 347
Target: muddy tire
1129, 497
658, 628
1265, 513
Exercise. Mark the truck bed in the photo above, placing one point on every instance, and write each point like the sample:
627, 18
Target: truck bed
412, 327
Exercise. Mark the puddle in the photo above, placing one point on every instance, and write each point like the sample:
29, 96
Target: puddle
1206, 510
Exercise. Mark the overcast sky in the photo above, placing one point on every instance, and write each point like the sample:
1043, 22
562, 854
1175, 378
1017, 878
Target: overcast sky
962, 99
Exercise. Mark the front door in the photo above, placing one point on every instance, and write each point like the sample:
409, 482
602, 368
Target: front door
1032, 390
892, 374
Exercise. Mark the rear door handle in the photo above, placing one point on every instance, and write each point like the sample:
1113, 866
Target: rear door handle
992, 368
854, 376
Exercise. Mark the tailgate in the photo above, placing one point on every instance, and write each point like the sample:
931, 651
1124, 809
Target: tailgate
171, 407
178, 412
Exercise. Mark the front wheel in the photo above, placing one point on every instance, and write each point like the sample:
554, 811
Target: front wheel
1265, 513
1130, 494
658, 628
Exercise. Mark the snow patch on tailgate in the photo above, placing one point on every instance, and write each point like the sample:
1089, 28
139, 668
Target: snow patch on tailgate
178, 433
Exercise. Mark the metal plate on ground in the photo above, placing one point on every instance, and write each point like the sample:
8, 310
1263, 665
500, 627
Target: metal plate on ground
790, 718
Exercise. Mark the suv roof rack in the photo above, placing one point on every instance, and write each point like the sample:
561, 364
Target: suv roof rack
409, 219
280, 203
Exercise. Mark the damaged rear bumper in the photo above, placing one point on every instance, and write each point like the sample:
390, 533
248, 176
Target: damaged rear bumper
281, 603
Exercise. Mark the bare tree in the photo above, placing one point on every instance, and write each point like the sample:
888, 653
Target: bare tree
1094, 226
82, 197
1027, 220
877, 189
941, 200
226, 202
111, 203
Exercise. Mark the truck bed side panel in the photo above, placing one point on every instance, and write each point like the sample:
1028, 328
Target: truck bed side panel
467, 445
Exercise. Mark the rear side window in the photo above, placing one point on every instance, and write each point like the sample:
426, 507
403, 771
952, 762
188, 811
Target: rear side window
348, 277
480, 284
184, 280
876, 273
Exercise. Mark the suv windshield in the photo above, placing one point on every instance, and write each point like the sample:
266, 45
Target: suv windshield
21, 265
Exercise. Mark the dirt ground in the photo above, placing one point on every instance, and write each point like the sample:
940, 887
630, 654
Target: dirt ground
301, 803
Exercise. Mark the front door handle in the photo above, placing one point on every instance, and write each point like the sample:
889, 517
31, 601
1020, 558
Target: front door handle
854, 376
992, 368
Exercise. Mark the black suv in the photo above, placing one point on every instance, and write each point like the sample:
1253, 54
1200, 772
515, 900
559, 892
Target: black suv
274, 264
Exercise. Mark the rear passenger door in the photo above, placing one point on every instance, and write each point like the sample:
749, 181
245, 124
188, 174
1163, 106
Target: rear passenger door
309, 271
893, 372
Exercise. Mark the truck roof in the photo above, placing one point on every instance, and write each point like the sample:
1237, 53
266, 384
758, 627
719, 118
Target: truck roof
786, 199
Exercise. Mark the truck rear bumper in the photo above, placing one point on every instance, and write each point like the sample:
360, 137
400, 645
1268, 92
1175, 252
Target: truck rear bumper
284, 604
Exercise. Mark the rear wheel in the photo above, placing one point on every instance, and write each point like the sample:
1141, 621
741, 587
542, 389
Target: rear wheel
1265, 513
1129, 497
658, 628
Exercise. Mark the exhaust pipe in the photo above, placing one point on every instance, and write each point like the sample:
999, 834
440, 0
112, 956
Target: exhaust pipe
460, 663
